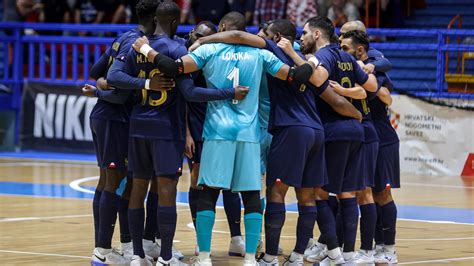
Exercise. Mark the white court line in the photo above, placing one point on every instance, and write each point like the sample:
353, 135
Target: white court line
43, 164
44, 254
435, 185
440, 260
21, 219
76, 184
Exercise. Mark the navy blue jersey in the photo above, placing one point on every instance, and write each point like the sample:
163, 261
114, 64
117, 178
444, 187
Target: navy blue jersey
289, 105
342, 68
161, 115
380, 113
197, 110
110, 109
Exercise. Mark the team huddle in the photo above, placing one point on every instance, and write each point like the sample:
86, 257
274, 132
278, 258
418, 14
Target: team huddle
249, 112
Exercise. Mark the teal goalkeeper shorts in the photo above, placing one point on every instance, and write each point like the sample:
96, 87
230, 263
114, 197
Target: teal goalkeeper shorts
233, 165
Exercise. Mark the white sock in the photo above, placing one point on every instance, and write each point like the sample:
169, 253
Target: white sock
389, 248
296, 256
380, 247
334, 253
204, 255
237, 238
249, 256
268, 257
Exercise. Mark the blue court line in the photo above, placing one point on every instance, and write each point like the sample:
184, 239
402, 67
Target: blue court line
50, 156
412, 212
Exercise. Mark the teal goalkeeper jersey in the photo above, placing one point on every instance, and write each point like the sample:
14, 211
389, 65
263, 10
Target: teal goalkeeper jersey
226, 66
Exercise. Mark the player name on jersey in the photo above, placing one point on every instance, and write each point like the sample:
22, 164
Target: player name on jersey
229, 56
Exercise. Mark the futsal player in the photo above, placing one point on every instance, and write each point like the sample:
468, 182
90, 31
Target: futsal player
110, 126
157, 134
195, 116
343, 136
231, 147
386, 164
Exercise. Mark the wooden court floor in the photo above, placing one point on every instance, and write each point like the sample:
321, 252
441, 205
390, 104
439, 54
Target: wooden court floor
46, 217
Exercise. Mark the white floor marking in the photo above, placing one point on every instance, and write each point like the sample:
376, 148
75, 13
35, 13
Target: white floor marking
440, 260
44, 254
76, 184
44, 164
21, 219
435, 185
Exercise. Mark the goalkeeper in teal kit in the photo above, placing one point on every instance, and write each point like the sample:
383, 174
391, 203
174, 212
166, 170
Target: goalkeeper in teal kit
231, 153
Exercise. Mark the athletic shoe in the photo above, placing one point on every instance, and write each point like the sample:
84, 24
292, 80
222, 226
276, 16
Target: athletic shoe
364, 257
127, 250
349, 258
152, 249
316, 253
339, 260
262, 262
195, 261
176, 253
391, 257
307, 251
237, 246
137, 261
379, 254
250, 262
172, 262
288, 262
108, 256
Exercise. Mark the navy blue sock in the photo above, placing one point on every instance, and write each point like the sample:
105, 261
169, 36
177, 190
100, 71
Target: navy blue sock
167, 226
96, 212
379, 235
389, 218
232, 211
123, 220
274, 220
350, 218
108, 216
136, 218
193, 197
368, 219
339, 229
326, 224
333, 204
151, 222
304, 227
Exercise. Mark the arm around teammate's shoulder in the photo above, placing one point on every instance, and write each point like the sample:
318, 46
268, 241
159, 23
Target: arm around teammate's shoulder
340, 104
231, 37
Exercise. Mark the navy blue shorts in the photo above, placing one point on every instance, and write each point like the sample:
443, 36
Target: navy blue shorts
344, 165
387, 170
296, 157
369, 162
110, 142
155, 157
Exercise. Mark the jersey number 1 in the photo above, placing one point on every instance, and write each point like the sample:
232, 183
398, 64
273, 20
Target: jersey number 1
234, 75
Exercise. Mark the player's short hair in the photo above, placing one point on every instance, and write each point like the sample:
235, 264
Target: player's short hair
234, 21
358, 38
284, 27
145, 9
167, 11
208, 24
323, 24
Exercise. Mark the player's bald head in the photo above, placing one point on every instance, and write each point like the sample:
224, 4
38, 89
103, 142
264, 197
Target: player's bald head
232, 21
167, 12
353, 25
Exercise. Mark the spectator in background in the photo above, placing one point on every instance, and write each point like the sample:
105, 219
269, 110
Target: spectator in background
342, 11
245, 7
18, 10
54, 11
89, 11
266, 10
114, 11
299, 11
131, 15
211, 10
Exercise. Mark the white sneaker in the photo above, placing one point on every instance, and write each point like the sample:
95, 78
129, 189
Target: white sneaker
237, 246
316, 253
364, 257
127, 250
195, 261
391, 257
172, 262
262, 262
260, 248
152, 249
297, 262
339, 260
250, 262
109, 256
176, 253
379, 255
137, 261
349, 258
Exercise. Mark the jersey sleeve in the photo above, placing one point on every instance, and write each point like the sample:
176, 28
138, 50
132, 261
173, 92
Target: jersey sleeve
271, 63
202, 54
325, 60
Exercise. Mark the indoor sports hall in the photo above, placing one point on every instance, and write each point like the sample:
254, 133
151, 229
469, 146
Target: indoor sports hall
48, 163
